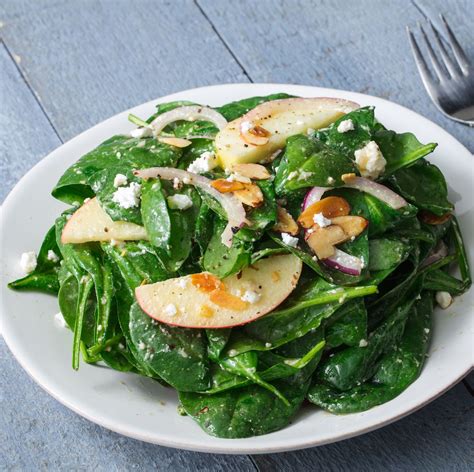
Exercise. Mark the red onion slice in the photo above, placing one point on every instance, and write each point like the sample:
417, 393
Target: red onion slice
314, 195
377, 190
232, 206
440, 251
345, 263
188, 113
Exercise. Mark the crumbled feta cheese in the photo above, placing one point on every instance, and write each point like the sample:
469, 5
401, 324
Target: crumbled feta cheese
141, 132
251, 296
59, 320
363, 343
345, 126
204, 163
370, 160
331, 180
170, 310
246, 126
176, 183
128, 197
427, 330
52, 256
141, 346
120, 180
118, 154
292, 175
86, 200
179, 202
99, 328
121, 346
183, 283
289, 239
268, 345
321, 220
443, 299
304, 175
28, 262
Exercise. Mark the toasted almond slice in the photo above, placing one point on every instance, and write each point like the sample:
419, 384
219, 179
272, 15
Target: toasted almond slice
347, 178
227, 300
432, 219
206, 282
252, 171
176, 142
286, 223
254, 134
330, 207
226, 186
351, 225
323, 240
250, 195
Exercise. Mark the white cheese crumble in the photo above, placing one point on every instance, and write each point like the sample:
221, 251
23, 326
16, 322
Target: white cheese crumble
251, 296
128, 197
304, 175
52, 256
183, 283
141, 132
289, 239
268, 345
331, 180
426, 330
204, 163
179, 202
443, 299
234, 177
120, 180
59, 320
321, 220
141, 346
246, 126
170, 310
345, 126
28, 262
363, 343
370, 160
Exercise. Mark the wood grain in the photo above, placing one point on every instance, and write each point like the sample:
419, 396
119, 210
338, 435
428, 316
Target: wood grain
359, 46
88, 60
26, 135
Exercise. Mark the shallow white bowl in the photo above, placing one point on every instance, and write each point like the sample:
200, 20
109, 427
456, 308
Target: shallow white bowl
141, 408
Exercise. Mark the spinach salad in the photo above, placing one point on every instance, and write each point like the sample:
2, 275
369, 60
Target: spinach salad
253, 256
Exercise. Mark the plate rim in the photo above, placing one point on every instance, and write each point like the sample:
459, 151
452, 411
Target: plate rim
199, 444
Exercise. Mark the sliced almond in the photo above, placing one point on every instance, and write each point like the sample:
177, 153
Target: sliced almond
347, 178
286, 223
227, 300
330, 207
351, 225
323, 240
252, 171
226, 186
250, 195
432, 219
176, 142
254, 134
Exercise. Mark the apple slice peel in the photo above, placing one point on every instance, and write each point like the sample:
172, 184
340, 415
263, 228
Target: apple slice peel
178, 302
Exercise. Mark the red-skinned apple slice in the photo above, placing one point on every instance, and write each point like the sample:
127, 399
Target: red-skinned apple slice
258, 288
91, 223
280, 119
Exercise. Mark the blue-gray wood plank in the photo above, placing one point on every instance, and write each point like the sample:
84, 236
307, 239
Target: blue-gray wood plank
66, 65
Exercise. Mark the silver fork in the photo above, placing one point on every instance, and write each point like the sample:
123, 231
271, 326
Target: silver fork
451, 86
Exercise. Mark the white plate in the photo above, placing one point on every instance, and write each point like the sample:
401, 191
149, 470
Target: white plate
142, 409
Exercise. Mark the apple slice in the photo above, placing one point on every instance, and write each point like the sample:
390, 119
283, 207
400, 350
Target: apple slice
91, 223
263, 130
203, 301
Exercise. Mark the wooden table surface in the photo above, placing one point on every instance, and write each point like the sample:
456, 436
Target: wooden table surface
65, 65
